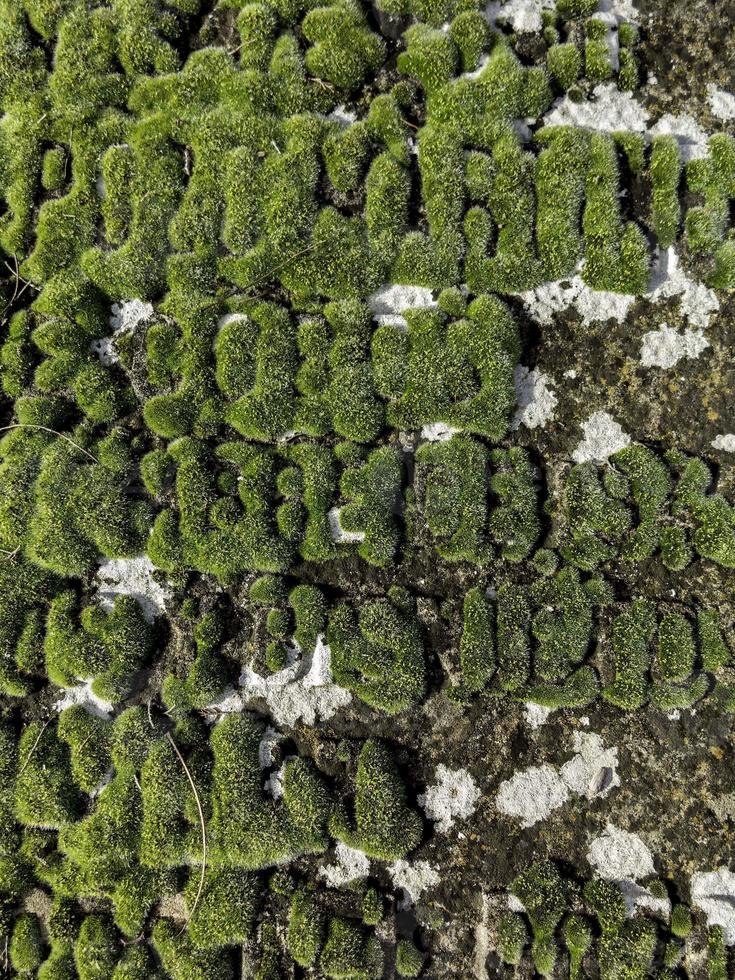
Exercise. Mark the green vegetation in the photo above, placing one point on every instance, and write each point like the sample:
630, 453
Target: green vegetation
385, 826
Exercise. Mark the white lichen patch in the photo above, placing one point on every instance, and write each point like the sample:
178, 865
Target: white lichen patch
608, 111
524, 16
714, 893
692, 139
666, 346
228, 703
721, 103
593, 771
339, 535
536, 399
389, 302
623, 10
438, 432
83, 695
131, 576
617, 855
124, 317
271, 738
302, 691
603, 436
593, 306
453, 796
342, 115
725, 442
533, 794
639, 897
697, 302
535, 715
413, 879
350, 865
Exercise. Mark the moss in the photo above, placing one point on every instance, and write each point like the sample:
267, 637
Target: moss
632, 632
616, 254
226, 912
564, 62
477, 645
45, 795
578, 938
514, 524
676, 649
665, 177
88, 739
513, 643
136, 963
681, 920
716, 954
350, 951
596, 523
372, 907
409, 960
95, 951
183, 961
563, 626
310, 611
542, 891
26, 943
133, 735
344, 49
575, 8
455, 480
386, 826
306, 928
167, 834
373, 491
105, 843
606, 901
251, 830
512, 938
597, 61
135, 894
378, 655
629, 952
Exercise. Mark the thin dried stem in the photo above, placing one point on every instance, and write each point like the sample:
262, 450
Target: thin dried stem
45, 428
201, 821
34, 746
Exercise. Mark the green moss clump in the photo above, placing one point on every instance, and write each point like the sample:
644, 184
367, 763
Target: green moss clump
665, 178
45, 795
306, 928
373, 492
26, 944
681, 921
350, 951
513, 641
477, 645
632, 633
514, 524
386, 826
183, 961
378, 655
226, 912
344, 49
96, 948
512, 938
249, 829
616, 255
409, 960
564, 62
88, 738
578, 938
542, 891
